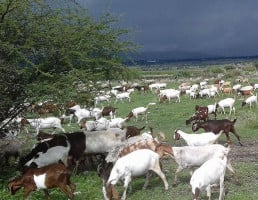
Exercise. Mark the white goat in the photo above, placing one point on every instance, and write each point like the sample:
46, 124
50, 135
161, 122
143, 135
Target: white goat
227, 103
97, 125
101, 98
80, 113
170, 94
103, 141
43, 123
185, 156
134, 164
250, 100
121, 96
199, 139
117, 122
210, 173
139, 111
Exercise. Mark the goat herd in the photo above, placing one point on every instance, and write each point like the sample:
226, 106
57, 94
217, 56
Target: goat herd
124, 151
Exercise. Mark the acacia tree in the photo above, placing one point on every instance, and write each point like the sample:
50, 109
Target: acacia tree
55, 48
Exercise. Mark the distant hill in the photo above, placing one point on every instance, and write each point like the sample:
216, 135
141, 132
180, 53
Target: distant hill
152, 58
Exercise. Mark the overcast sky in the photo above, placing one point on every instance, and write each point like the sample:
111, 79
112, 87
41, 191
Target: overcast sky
205, 27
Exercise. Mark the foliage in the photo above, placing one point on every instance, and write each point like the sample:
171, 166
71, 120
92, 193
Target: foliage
56, 48
12, 91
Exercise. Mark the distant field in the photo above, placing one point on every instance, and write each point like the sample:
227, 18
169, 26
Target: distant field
166, 118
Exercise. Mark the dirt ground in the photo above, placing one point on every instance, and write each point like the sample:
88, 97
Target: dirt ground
246, 153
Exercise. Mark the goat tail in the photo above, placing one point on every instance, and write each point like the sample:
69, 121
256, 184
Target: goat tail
234, 121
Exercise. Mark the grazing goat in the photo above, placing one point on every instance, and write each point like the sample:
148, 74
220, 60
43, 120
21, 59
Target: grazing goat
216, 126
139, 111
227, 103
169, 94
129, 166
200, 139
211, 172
185, 156
121, 96
250, 100
200, 114
43, 123
52, 176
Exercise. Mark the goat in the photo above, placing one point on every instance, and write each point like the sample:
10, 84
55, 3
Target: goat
184, 156
72, 146
246, 90
139, 111
200, 114
169, 94
48, 152
157, 86
106, 111
211, 172
117, 122
211, 109
101, 99
129, 166
216, 126
80, 113
97, 125
250, 100
109, 111
121, 96
52, 176
132, 131
43, 123
128, 146
197, 139
227, 103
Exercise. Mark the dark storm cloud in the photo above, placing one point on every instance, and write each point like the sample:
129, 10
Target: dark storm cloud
223, 28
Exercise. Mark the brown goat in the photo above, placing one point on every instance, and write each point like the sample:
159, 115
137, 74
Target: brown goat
216, 126
132, 131
109, 111
55, 175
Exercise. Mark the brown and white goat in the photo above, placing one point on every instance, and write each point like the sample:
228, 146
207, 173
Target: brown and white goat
52, 176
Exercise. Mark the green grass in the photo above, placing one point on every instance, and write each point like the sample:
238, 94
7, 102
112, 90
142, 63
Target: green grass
166, 118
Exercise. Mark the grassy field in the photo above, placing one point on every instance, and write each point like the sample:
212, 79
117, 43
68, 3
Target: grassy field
166, 118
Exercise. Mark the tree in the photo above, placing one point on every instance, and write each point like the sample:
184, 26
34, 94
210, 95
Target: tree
54, 49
